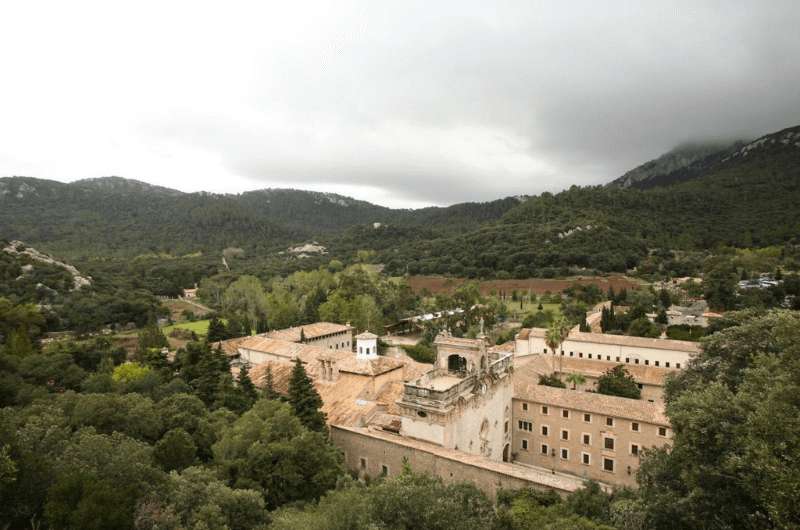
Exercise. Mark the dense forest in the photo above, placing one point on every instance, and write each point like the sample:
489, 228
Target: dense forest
93, 438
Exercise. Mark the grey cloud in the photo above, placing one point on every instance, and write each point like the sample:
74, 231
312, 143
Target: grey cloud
440, 102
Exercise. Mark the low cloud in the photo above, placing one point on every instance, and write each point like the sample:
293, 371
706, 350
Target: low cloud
414, 103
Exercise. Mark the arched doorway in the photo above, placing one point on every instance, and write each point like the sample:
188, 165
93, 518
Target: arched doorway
456, 363
506, 453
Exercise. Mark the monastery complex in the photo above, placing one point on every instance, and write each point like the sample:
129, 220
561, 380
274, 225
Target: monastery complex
479, 413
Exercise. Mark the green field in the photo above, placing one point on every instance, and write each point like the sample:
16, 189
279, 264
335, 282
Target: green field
200, 327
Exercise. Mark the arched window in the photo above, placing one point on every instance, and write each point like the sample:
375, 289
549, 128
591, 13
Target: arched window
456, 363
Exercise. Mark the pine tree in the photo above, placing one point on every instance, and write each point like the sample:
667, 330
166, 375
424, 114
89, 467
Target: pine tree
305, 400
269, 391
246, 384
216, 330
302, 336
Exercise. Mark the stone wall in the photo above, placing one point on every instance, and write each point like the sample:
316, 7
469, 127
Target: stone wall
370, 453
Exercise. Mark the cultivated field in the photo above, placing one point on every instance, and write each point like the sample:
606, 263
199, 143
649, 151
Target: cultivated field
441, 284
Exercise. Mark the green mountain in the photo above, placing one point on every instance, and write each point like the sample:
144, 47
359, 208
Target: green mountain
115, 217
748, 197
740, 195
687, 158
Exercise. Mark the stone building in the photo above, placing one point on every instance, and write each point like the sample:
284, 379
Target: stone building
478, 413
619, 349
464, 402
326, 335
582, 433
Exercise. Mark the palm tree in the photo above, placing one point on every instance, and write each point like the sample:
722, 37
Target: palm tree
557, 332
576, 379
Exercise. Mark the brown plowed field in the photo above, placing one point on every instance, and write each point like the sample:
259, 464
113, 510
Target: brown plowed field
440, 284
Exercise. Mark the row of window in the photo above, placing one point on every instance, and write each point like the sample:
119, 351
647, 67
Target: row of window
545, 430
336, 346
618, 359
587, 418
384, 467
609, 463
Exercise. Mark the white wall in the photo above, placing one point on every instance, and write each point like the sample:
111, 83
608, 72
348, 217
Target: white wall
608, 352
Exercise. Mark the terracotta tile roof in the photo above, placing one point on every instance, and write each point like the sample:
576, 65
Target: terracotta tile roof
366, 336
619, 340
648, 375
506, 347
372, 367
281, 373
230, 347
306, 352
527, 387
341, 401
310, 331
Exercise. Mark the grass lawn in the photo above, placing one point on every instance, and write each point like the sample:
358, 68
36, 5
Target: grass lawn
200, 327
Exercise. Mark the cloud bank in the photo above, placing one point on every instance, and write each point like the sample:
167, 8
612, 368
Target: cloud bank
405, 104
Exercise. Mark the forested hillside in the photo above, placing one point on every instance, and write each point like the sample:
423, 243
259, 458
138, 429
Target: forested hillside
749, 199
746, 196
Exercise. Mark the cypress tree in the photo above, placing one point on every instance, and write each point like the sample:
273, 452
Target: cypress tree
305, 400
246, 384
216, 330
269, 391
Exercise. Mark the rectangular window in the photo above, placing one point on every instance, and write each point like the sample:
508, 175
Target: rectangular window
590, 355
505, 427
647, 362
564, 454
565, 414
678, 366
635, 426
635, 449
617, 359
545, 449
525, 407
610, 422
545, 410
608, 357
657, 363
519, 425
570, 354
384, 470
586, 459
580, 354
544, 350
636, 361
666, 364
608, 443
587, 418
608, 465
564, 434
587, 439
363, 463
545, 430
524, 445
662, 431
627, 360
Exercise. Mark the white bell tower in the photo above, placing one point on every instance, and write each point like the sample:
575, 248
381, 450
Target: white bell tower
366, 345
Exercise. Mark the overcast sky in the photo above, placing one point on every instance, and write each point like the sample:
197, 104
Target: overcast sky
403, 103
